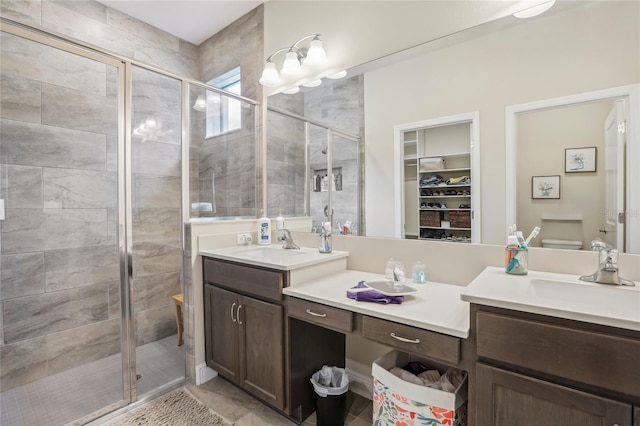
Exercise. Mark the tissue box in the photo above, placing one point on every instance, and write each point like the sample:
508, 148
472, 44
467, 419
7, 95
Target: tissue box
398, 402
431, 164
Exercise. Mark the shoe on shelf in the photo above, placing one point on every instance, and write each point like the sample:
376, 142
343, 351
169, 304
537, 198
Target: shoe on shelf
443, 205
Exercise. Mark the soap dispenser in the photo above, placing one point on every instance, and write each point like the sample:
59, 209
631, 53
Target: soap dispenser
264, 230
325, 238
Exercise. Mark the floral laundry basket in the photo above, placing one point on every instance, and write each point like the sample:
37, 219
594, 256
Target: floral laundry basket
391, 408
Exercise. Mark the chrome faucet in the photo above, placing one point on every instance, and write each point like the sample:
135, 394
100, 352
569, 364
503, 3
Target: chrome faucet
287, 240
607, 272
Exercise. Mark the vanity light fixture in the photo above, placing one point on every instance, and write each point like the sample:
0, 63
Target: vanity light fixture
337, 75
200, 104
296, 57
291, 91
535, 10
313, 83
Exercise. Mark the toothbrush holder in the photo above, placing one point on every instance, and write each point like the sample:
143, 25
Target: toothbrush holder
516, 261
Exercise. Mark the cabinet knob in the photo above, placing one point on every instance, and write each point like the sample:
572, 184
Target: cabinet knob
315, 314
232, 317
404, 339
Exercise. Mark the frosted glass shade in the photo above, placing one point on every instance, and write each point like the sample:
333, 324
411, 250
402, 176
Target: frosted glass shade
270, 76
315, 55
291, 66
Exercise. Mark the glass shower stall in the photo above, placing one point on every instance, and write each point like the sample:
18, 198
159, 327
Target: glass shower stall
94, 185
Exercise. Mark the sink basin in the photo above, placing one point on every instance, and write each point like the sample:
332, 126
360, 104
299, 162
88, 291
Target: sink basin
580, 293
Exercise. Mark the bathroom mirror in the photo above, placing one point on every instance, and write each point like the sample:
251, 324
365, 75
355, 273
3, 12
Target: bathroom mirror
488, 68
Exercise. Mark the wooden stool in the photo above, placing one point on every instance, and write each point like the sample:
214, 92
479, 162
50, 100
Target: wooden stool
178, 299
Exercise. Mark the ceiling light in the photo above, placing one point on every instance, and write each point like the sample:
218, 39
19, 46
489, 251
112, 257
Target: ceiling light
535, 10
313, 83
291, 91
337, 75
200, 104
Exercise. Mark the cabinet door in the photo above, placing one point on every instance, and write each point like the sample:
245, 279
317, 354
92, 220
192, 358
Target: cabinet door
262, 350
507, 399
221, 328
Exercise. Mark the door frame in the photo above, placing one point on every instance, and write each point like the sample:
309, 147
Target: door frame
631, 94
473, 118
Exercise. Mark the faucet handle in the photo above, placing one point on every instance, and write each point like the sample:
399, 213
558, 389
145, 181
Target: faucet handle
609, 257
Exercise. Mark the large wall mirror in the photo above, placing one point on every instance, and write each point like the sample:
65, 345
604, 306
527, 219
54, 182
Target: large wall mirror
574, 48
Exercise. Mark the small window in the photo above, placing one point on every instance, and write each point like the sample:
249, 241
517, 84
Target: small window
223, 112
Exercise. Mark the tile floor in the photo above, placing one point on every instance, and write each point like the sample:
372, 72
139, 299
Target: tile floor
72, 394
242, 409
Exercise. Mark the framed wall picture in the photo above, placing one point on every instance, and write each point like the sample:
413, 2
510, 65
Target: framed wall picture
545, 187
578, 160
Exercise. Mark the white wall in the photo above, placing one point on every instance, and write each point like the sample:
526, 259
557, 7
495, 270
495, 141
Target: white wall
583, 48
543, 137
355, 32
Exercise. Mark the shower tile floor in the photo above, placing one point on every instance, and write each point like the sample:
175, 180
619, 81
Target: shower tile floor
75, 393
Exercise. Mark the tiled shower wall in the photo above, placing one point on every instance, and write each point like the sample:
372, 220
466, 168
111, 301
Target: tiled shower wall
225, 164
59, 258
60, 283
285, 157
339, 104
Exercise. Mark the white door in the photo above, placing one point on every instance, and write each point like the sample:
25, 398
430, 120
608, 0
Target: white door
614, 176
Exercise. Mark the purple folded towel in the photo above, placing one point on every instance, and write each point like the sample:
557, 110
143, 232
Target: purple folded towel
373, 296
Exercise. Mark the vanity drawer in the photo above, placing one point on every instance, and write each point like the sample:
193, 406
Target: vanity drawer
426, 343
597, 359
244, 279
323, 315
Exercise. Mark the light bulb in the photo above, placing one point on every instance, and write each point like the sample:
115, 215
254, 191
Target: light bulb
270, 76
315, 55
291, 66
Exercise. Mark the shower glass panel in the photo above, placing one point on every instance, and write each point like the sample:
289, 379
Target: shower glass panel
222, 162
286, 166
60, 317
321, 184
156, 168
345, 199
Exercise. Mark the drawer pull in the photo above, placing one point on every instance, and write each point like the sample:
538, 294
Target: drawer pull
232, 317
315, 314
238, 314
403, 339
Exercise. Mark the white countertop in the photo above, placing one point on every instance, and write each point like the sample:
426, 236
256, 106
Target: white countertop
558, 295
273, 256
435, 306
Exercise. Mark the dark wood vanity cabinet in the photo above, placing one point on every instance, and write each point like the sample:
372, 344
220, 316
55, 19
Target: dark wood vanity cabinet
244, 334
534, 370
